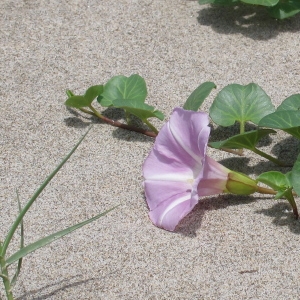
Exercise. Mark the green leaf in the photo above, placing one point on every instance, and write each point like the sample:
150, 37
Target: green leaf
296, 176
287, 120
77, 102
49, 239
93, 92
122, 87
246, 140
285, 9
290, 103
261, 2
34, 197
18, 269
281, 119
287, 116
85, 100
240, 103
281, 194
197, 97
288, 176
140, 110
69, 93
274, 179
221, 2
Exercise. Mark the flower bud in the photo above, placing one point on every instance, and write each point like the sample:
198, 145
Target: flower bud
240, 184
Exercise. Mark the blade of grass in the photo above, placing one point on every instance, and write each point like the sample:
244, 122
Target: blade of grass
13, 281
49, 239
33, 198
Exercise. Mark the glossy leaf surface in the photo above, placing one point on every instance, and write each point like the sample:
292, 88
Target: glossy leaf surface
139, 109
246, 140
240, 103
122, 87
197, 97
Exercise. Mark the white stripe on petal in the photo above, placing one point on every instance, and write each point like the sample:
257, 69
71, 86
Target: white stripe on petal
172, 205
171, 177
181, 143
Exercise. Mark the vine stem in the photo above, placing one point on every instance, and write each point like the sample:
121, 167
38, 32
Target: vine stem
264, 190
119, 124
269, 157
150, 126
268, 191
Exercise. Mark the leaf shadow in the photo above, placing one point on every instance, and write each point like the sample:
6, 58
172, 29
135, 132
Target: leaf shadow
222, 133
282, 216
65, 284
287, 150
252, 21
192, 222
115, 114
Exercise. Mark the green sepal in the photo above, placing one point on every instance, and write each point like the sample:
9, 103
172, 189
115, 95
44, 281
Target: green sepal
240, 184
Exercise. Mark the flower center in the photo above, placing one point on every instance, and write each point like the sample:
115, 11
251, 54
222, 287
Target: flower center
191, 181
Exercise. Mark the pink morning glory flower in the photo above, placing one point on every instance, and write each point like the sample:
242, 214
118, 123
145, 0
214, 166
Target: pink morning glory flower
177, 171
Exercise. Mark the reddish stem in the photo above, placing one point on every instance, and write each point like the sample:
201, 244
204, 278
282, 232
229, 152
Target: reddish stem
128, 127
119, 124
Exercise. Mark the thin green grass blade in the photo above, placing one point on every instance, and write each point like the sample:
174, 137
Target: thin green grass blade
33, 198
49, 239
13, 281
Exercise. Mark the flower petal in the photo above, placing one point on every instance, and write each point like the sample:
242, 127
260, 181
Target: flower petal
168, 214
174, 167
158, 192
158, 167
187, 127
184, 139
214, 178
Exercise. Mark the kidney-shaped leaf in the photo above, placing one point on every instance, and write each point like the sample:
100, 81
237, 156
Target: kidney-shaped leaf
290, 103
240, 103
122, 87
262, 2
139, 109
281, 119
296, 176
197, 97
224, 2
274, 179
85, 100
285, 9
286, 117
246, 140
77, 102
93, 92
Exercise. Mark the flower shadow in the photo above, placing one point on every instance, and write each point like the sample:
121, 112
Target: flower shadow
282, 216
192, 222
252, 21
